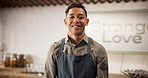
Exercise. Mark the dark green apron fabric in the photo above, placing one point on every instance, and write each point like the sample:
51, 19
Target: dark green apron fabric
70, 66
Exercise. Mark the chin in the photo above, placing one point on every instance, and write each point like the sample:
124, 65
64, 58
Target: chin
77, 33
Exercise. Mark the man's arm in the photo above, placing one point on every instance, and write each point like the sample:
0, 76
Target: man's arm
102, 65
50, 65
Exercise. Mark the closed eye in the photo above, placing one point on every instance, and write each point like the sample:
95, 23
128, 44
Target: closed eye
71, 17
81, 18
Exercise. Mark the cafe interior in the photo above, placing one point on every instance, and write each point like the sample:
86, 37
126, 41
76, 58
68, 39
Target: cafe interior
29, 27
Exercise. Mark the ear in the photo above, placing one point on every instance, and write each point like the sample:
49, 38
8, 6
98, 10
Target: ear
87, 21
65, 21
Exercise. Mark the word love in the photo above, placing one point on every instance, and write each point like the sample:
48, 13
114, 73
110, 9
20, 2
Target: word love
122, 38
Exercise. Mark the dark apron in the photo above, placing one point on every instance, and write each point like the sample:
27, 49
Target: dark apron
70, 66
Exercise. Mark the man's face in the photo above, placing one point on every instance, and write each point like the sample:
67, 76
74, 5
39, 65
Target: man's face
76, 21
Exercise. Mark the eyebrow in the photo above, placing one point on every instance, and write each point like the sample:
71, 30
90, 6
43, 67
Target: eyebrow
78, 14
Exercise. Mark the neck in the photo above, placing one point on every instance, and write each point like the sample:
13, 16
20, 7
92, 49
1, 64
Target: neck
76, 38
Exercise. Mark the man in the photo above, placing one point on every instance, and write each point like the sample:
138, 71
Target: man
76, 56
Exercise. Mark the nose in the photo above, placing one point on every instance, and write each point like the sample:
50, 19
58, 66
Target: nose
76, 21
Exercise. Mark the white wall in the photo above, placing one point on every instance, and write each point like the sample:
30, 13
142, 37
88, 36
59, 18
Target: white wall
0, 38
0, 26
120, 62
32, 30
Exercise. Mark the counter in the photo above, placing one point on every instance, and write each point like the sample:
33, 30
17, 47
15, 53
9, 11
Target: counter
7, 72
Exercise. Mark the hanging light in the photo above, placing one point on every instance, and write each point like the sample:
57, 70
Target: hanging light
102, 1
95, 1
87, 1
110, 1
118, 1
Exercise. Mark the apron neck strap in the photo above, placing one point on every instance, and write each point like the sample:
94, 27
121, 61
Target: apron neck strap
62, 45
88, 45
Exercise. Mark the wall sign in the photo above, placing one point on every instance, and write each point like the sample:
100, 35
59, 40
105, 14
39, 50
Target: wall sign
120, 31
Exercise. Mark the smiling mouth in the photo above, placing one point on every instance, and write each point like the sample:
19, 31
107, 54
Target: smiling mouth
76, 26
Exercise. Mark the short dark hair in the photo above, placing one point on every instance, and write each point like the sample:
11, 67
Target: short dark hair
76, 5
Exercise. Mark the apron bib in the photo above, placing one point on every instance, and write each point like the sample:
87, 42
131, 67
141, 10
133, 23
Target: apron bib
71, 66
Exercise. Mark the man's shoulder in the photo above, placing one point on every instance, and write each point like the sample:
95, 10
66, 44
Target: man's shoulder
96, 44
57, 43
97, 48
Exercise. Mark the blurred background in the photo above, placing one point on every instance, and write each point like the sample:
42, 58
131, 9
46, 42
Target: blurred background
29, 27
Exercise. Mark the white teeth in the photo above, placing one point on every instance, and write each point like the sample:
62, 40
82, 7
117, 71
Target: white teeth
75, 26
